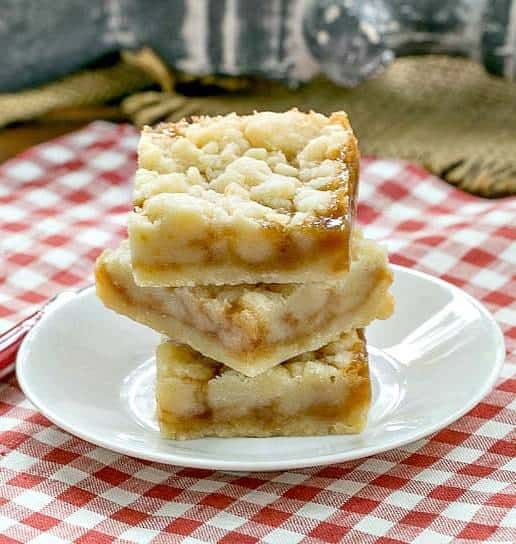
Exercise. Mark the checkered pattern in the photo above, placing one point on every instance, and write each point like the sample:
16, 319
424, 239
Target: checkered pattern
63, 201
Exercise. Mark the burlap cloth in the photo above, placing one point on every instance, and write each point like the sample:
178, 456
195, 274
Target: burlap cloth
444, 113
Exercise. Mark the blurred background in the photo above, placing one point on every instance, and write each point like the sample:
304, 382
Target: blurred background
428, 81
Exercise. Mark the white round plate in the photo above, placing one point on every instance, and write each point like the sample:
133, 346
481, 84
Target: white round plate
91, 372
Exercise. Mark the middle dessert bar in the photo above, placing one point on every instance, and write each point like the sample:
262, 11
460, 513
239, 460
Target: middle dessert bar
251, 328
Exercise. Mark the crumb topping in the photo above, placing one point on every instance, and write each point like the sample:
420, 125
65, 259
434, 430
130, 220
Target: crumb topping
278, 167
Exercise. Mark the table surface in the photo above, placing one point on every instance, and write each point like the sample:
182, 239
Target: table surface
15, 139
21, 136
63, 201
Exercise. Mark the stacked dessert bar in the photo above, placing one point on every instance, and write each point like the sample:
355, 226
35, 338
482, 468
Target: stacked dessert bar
242, 252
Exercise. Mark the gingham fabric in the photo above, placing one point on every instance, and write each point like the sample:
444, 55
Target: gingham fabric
61, 202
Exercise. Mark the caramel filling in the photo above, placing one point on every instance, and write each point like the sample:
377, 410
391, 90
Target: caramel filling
331, 244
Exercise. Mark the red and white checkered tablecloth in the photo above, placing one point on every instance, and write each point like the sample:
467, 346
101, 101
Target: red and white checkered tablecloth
63, 201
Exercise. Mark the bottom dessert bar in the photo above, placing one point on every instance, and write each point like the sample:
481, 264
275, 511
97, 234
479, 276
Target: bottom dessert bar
317, 393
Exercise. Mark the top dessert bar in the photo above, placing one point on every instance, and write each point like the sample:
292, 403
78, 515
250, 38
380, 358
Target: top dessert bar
268, 197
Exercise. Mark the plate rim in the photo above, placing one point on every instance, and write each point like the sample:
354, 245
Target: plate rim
183, 460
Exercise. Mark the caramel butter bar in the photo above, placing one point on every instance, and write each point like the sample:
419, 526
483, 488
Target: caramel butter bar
268, 197
317, 393
252, 327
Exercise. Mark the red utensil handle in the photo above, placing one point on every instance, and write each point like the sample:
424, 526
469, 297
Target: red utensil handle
11, 339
